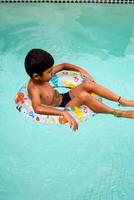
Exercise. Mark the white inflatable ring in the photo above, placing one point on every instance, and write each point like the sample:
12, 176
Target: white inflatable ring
66, 79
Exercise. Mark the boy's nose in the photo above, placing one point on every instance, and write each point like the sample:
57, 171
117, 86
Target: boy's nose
52, 73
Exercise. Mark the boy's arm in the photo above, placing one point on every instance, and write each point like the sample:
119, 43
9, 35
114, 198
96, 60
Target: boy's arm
67, 66
49, 110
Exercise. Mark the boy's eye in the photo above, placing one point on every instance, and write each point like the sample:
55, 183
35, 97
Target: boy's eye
50, 71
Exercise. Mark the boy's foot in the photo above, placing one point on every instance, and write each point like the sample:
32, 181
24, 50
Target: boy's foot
125, 114
125, 102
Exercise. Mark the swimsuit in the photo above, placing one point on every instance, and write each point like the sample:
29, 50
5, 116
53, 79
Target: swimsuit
66, 98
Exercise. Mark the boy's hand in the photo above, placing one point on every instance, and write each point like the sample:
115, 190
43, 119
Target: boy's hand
71, 120
85, 74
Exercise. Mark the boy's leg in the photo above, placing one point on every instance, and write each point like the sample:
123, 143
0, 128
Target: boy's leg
98, 107
84, 98
100, 90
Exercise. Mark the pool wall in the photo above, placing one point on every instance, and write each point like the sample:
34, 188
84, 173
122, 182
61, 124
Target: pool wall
70, 1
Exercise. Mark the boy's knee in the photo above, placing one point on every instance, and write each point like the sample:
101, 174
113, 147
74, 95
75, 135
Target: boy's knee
83, 96
89, 84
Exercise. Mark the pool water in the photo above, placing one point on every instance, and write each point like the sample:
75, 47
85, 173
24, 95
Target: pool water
51, 162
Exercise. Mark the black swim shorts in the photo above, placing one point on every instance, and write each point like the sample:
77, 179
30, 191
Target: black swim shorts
66, 98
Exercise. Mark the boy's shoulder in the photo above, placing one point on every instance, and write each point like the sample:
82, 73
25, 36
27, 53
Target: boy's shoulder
31, 86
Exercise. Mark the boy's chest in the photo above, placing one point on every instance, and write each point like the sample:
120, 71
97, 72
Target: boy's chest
47, 94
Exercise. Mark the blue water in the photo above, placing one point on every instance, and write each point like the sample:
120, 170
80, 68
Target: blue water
48, 162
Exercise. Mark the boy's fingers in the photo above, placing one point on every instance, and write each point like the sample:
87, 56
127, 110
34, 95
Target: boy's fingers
73, 124
75, 127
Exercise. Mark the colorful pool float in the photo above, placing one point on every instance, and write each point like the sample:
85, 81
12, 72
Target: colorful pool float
67, 79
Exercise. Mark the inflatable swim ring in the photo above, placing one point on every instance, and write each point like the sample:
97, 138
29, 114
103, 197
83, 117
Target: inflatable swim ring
67, 79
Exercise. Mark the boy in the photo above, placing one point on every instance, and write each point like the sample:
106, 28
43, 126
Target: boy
39, 66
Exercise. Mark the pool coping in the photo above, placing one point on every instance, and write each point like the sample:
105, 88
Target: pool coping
70, 1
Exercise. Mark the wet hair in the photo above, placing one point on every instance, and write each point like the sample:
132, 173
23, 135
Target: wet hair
37, 61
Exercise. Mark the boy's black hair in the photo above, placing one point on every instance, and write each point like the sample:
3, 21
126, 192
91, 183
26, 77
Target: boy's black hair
37, 61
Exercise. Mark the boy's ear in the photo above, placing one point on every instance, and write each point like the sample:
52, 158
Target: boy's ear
36, 76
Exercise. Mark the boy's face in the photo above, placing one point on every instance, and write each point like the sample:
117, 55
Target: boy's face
47, 75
